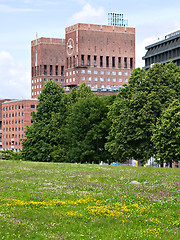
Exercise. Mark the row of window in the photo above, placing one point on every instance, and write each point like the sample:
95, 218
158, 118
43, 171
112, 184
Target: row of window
38, 92
13, 129
103, 61
10, 144
16, 121
13, 136
13, 114
83, 71
101, 79
17, 107
95, 86
13, 107
47, 70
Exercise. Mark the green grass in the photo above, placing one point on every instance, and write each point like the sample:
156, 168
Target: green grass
73, 201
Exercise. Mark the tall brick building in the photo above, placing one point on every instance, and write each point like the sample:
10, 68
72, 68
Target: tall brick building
102, 56
16, 115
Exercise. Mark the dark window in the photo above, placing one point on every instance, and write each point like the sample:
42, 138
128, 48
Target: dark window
101, 61
131, 63
74, 61
113, 62
125, 62
107, 61
50, 69
82, 60
95, 61
88, 60
119, 62
45, 69
32, 106
70, 62
67, 62
56, 70
62, 70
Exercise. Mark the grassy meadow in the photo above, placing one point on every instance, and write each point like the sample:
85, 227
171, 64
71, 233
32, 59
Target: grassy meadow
73, 201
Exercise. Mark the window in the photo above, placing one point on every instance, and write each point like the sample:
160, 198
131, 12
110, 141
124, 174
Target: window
119, 73
9, 107
56, 70
119, 62
95, 61
88, 60
57, 80
82, 78
62, 70
107, 79
125, 62
131, 63
126, 80
32, 106
113, 73
67, 62
101, 72
95, 85
89, 85
89, 78
108, 72
125, 73
45, 69
114, 80
113, 62
101, 79
89, 71
107, 61
95, 72
70, 62
82, 71
45, 79
101, 61
119, 80
95, 79
82, 60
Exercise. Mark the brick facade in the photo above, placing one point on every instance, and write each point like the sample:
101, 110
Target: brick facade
16, 115
102, 56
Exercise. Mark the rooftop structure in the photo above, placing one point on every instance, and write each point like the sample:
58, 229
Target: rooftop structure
117, 19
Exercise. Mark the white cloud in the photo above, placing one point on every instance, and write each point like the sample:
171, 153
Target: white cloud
14, 78
89, 14
140, 51
8, 9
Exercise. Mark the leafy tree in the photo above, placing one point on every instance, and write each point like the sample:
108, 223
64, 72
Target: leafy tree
44, 139
166, 134
137, 109
87, 129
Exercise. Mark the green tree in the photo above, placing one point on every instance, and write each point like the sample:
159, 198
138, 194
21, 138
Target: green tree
137, 109
87, 129
166, 134
44, 139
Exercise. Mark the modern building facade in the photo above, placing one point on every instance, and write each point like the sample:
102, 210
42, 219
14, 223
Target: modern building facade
164, 51
101, 56
16, 115
117, 19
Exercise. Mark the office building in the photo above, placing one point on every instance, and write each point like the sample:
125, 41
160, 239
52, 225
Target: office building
164, 51
101, 56
16, 115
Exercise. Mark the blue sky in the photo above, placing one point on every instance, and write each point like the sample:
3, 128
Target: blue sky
21, 19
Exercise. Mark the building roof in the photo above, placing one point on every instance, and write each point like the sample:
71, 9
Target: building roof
19, 100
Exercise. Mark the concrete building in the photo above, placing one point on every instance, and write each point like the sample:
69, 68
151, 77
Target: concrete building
117, 19
102, 56
16, 115
164, 51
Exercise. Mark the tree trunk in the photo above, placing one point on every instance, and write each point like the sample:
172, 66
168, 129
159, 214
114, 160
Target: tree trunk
170, 164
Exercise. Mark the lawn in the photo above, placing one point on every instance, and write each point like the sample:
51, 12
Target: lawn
73, 201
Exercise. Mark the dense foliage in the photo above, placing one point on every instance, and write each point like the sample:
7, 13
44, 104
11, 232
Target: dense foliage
137, 109
82, 127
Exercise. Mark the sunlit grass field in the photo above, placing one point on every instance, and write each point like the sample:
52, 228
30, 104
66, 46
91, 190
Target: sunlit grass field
73, 201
